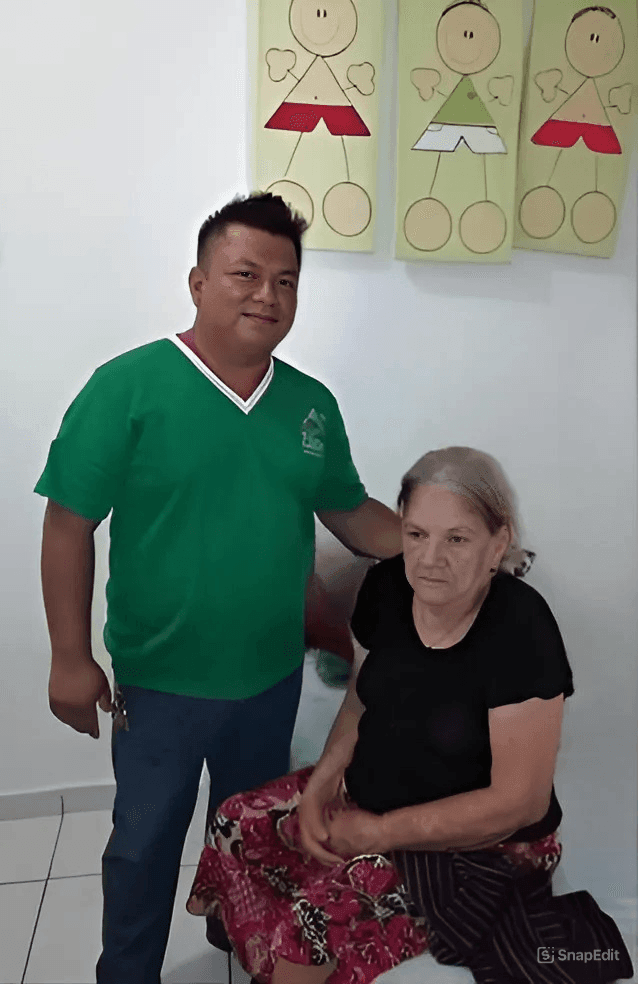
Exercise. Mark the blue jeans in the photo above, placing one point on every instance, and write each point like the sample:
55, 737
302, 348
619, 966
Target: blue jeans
158, 764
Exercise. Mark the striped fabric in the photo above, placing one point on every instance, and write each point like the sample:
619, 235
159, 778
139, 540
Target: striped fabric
504, 924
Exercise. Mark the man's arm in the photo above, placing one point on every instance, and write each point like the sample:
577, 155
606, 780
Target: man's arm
370, 530
76, 682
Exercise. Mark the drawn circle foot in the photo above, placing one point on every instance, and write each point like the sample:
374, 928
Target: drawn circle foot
347, 209
294, 196
483, 227
593, 217
427, 225
542, 212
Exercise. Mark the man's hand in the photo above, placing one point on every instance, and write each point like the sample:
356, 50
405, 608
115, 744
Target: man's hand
370, 530
352, 832
74, 693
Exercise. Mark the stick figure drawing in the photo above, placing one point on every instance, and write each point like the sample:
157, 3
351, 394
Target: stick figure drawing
469, 41
321, 100
595, 46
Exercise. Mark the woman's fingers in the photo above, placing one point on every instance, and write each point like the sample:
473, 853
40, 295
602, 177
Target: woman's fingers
323, 855
313, 836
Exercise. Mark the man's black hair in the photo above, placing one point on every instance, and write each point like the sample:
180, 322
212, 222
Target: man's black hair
588, 10
261, 210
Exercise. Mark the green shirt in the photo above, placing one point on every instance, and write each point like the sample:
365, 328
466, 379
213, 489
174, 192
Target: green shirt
212, 529
464, 107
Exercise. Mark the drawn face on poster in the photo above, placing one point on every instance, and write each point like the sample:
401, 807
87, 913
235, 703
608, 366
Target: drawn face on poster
468, 42
595, 46
319, 98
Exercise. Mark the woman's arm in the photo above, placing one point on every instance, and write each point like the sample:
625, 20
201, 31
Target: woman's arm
524, 740
325, 782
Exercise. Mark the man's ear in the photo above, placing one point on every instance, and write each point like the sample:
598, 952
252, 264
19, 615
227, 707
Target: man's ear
195, 280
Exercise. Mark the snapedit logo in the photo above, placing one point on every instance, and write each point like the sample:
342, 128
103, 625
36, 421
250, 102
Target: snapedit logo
549, 954
313, 432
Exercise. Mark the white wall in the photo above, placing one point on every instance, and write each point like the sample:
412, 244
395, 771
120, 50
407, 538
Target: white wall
123, 125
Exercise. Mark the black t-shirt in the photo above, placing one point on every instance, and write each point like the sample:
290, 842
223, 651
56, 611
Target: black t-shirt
424, 734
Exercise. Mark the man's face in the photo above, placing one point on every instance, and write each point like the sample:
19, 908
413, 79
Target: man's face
246, 297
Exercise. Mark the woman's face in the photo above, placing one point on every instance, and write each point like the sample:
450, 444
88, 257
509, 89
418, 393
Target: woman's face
447, 548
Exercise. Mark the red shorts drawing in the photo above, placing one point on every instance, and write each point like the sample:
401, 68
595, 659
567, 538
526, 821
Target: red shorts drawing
342, 121
564, 133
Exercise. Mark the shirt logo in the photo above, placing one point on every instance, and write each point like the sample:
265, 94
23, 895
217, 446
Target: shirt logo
313, 432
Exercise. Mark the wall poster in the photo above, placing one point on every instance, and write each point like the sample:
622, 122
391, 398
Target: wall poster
578, 126
316, 116
460, 81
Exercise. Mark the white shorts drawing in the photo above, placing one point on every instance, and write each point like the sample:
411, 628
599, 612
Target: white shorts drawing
446, 137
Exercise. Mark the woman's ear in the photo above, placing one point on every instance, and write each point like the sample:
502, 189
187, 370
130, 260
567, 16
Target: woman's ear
505, 536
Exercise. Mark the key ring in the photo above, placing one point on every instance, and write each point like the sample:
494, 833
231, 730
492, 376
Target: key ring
118, 712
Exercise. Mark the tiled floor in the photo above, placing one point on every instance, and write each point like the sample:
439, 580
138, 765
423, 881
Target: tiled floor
51, 897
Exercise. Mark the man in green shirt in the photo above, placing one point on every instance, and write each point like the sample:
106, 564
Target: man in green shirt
212, 458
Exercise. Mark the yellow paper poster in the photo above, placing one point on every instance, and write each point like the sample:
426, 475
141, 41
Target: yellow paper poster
460, 80
578, 126
316, 116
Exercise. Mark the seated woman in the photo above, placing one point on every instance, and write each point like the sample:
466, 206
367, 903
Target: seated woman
430, 820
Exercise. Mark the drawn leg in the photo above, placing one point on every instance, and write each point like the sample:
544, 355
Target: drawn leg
543, 210
594, 214
293, 155
428, 223
294, 194
483, 226
346, 206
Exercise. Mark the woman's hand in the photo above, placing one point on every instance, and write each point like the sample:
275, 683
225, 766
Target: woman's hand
313, 810
352, 831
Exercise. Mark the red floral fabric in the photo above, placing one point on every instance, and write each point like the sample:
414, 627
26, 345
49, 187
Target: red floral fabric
276, 901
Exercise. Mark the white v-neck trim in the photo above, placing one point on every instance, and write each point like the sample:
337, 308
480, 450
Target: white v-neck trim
245, 405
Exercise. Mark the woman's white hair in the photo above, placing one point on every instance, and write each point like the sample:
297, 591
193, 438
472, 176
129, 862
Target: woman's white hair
479, 478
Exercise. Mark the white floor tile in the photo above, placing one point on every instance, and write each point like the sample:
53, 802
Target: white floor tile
19, 907
26, 848
82, 841
425, 970
67, 940
239, 975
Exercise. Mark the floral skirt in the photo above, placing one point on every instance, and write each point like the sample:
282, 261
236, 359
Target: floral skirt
277, 901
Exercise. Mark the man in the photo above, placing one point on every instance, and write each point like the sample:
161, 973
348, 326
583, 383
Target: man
213, 457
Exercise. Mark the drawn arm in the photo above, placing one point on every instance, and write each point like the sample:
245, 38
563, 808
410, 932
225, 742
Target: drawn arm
362, 78
549, 84
501, 88
426, 81
620, 98
280, 63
